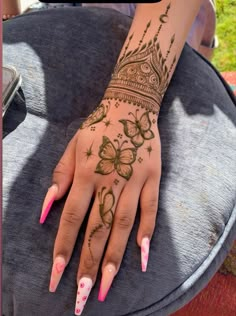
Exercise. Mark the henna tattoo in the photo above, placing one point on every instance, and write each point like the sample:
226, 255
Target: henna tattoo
89, 152
117, 104
141, 76
107, 123
106, 203
116, 181
97, 115
140, 160
127, 46
154, 121
92, 128
163, 19
149, 149
139, 130
96, 229
119, 136
144, 33
116, 159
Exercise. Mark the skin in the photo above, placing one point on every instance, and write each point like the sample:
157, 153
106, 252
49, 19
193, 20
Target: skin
137, 182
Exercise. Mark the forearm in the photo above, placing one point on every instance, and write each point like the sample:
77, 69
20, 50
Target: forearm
151, 51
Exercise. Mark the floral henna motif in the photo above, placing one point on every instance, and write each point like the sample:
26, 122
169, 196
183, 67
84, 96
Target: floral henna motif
116, 159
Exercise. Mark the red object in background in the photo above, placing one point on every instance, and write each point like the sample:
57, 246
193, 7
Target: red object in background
230, 77
218, 298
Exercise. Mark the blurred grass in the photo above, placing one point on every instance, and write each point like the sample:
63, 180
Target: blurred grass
225, 54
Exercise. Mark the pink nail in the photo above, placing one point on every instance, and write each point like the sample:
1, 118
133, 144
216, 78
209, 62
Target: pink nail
145, 244
84, 288
48, 201
108, 275
57, 271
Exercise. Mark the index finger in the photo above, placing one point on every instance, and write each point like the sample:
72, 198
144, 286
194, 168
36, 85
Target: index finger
72, 217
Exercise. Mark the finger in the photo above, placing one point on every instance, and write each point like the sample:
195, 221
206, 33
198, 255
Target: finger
72, 217
122, 225
149, 205
97, 233
62, 179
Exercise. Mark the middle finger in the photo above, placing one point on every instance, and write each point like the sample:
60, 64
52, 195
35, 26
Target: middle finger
97, 233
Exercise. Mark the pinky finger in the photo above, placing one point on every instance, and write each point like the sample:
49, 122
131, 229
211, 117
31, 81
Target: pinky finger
149, 205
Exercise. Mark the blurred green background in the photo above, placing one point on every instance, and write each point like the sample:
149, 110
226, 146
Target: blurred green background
225, 54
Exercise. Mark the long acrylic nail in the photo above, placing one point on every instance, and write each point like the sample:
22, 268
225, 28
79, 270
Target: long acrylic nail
145, 244
48, 201
108, 275
84, 288
57, 271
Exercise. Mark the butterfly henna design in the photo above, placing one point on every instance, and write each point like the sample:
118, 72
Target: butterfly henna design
114, 158
139, 129
96, 116
106, 203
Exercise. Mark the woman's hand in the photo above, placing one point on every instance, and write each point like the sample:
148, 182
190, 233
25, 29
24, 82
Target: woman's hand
114, 157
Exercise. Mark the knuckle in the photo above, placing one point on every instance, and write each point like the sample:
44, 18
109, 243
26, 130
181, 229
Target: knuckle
71, 217
89, 263
124, 221
88, 172
150, 206
60, 168
101, 232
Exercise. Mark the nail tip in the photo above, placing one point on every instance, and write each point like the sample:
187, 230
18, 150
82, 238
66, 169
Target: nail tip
52, 291
101, 298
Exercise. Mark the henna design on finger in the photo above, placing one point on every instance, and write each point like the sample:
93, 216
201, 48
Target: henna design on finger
106, 203
139, 129
114, 158
91, 236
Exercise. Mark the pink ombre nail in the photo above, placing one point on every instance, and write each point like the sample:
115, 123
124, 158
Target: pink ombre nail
108, 275
48, 201
84, 288
58, 268
145, 244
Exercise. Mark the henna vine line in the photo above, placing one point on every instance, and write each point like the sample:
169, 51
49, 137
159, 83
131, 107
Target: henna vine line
106, 203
